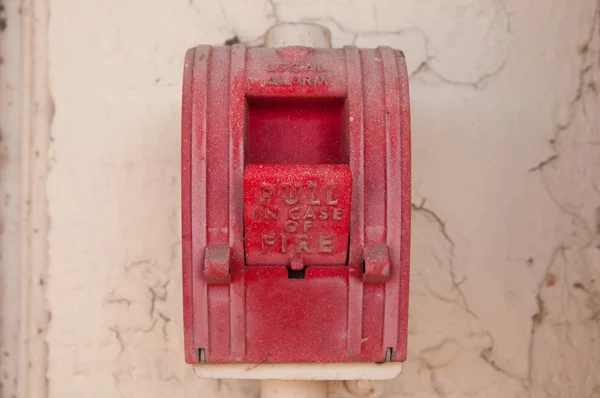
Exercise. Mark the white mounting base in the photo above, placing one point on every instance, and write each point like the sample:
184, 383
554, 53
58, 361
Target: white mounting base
302, 371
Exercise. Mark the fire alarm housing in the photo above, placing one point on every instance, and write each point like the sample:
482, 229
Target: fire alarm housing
295, 205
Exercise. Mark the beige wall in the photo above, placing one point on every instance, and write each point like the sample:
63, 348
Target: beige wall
505, 298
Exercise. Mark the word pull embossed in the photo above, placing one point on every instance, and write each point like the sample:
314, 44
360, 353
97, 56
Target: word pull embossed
297, 214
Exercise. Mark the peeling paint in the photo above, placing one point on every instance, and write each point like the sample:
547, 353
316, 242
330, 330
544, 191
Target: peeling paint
505, 296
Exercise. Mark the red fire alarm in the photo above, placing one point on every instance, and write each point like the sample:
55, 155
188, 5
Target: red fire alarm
296, 205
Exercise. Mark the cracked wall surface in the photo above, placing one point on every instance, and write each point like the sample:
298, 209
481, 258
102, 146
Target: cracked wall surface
505, 284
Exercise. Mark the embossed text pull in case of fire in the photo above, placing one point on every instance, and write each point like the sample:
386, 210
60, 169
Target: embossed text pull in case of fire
296, 205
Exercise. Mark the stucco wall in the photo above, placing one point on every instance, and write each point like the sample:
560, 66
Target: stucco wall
505, 285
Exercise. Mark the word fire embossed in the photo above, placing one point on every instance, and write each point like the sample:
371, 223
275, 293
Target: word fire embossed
296, 210
297, 215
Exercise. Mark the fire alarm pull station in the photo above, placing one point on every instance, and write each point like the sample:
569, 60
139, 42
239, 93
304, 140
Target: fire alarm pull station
296, 209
